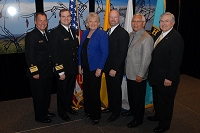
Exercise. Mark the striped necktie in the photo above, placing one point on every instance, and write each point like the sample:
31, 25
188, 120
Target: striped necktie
109, 31
158, 40
131, 40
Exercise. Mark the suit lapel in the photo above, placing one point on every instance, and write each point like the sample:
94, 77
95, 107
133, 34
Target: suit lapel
136, 39
47, 34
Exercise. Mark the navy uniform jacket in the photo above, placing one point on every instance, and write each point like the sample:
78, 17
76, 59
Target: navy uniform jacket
38, 55
64, 50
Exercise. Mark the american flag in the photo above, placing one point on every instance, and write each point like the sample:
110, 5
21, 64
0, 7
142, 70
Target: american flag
78, 92
73, 10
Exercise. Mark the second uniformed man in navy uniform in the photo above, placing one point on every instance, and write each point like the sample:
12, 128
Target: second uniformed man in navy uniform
64, 46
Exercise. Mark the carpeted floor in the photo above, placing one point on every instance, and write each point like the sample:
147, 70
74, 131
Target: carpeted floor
16, 116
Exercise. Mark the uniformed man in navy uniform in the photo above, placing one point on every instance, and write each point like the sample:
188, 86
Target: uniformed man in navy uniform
40, 70
64, 46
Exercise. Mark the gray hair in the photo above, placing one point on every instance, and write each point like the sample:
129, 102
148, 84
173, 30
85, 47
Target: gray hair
39, 13
170, 14
139, 14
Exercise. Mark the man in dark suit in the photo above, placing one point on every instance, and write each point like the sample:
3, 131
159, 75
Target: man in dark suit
40, 67
114, 67
64, 47
164, 73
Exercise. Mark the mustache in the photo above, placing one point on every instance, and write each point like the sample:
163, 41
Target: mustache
113, 21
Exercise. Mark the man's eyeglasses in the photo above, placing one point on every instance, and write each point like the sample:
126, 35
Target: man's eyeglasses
165, 21
136, 21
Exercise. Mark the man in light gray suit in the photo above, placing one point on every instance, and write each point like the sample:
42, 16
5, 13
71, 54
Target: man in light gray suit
137, 63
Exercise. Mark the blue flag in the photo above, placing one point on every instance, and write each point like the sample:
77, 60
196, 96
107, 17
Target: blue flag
160, 9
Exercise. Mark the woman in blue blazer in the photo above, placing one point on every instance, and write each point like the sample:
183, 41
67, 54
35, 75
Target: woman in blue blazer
92, 53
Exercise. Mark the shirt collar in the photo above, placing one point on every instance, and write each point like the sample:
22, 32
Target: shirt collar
165, 33
138, 32
41, 31
65, 27
113, 28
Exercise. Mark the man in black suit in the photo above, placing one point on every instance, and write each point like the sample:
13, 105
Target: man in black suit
114, 67
64, 47
164, 73
40, 71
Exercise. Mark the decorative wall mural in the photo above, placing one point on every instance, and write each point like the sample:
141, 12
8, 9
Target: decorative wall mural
17, 17
14, 23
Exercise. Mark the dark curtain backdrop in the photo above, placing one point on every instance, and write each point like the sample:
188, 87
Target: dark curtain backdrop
173, 7
13, 81
189, 27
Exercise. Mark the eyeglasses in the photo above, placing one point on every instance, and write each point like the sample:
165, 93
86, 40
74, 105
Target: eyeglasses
134, 21
165, 21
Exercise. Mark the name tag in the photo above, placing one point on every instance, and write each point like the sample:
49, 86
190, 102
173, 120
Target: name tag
65, 39
41, 41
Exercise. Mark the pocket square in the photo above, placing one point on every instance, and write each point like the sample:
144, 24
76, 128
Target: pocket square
41, 41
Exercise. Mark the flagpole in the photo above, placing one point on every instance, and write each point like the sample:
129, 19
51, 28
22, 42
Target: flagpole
91, 5
39, 6
106, 24
134, 4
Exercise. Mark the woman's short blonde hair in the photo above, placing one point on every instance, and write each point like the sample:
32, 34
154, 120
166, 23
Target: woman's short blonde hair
92, 15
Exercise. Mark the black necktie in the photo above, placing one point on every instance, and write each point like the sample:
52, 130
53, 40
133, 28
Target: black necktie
70, 32
45, 36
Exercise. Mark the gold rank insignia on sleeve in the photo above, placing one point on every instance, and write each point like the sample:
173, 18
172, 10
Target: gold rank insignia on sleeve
59, 67
33, 69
